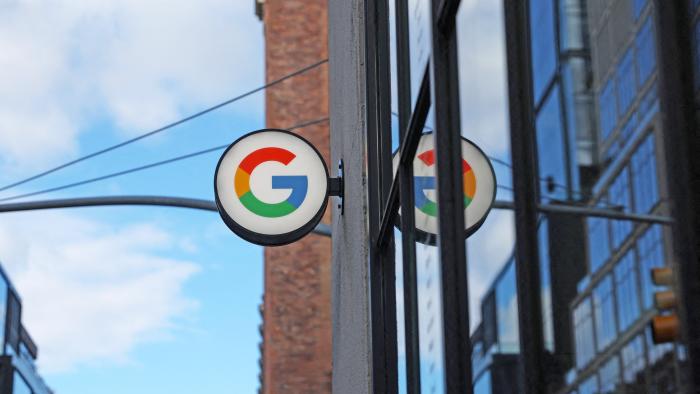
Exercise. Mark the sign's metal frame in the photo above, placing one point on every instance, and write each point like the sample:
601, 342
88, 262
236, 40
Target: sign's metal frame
268, 239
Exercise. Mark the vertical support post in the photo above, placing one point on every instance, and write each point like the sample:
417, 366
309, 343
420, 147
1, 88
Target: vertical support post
382, 264
350, 302
455, 290
522, 132
682, 144
405, 174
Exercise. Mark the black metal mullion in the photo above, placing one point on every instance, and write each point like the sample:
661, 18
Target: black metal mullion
455, 293
522, 131
382, 264
681, 144
405, 175
407, 150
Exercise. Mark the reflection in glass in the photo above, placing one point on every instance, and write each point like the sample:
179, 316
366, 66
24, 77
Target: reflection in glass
551, 148
604, 308
633, 366
20, 386
544, 52
583, 333
507, 311
626, 291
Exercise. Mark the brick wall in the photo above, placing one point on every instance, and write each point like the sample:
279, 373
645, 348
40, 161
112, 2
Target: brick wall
297, 321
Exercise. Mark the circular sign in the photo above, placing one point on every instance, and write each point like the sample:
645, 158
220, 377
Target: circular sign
271, 187
479, 188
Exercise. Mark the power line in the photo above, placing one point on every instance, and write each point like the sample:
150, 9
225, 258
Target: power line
143, 167
164, 128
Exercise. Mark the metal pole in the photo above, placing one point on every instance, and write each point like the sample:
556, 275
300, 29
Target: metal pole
163, 201
522, 131
682, 144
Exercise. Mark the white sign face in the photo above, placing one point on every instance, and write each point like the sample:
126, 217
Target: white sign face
479, 187
271, 187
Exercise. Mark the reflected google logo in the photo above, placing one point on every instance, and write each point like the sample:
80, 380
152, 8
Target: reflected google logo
423, 183
299, 184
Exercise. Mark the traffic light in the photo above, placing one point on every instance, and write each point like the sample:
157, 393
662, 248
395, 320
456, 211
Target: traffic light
664, 327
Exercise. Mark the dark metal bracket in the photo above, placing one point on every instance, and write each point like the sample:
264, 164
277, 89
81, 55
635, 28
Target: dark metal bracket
336, 187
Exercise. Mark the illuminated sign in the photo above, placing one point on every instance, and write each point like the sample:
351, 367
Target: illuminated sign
271, 187
479, 188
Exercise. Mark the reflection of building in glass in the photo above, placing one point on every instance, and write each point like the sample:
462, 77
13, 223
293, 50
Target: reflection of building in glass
599, 142
611, 312
496, 341
18, 374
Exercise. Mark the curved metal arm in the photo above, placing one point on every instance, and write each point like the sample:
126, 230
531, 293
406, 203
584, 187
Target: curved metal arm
178, 202
321, 228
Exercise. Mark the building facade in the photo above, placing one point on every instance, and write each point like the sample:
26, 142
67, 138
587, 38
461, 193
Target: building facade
18, 373
612, 311
612, 157
585, 153
296, 328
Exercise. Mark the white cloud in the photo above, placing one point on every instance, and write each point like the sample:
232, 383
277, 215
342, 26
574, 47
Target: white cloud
482, 75
92, 292
140, 64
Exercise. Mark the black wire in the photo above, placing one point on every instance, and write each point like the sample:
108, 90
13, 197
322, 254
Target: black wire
143, 167
166, 127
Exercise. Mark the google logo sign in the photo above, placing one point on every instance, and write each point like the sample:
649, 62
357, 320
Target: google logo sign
479, 188
423, 183
271, 187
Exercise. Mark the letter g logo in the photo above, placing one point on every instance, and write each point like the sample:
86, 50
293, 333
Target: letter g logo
298, 183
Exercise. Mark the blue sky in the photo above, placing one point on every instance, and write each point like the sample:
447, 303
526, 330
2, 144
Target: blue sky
130, 299
145, 299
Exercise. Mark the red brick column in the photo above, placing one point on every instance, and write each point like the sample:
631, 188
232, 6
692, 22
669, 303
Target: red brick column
297, 314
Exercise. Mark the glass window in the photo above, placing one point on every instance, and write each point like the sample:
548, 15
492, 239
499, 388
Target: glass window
650, 247
19, 386
633, 366
646, 51
544, 51
583, 332
483, 385
620, 196
626, 85
589, 386
3, 310
598, 242
546, 283
639, 8
610, 376
607, 102
662, 372
571, 24
551, 147
604, 309
507, 311
645, 186
626, 291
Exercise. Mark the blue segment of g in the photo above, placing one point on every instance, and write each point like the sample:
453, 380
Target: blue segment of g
298, 183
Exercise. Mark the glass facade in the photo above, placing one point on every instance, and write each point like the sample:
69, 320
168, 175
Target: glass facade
551, 148
604, 308
583, 333
544, 49
507, 311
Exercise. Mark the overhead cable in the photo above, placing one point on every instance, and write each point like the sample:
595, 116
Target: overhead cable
163, 128
143, 167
